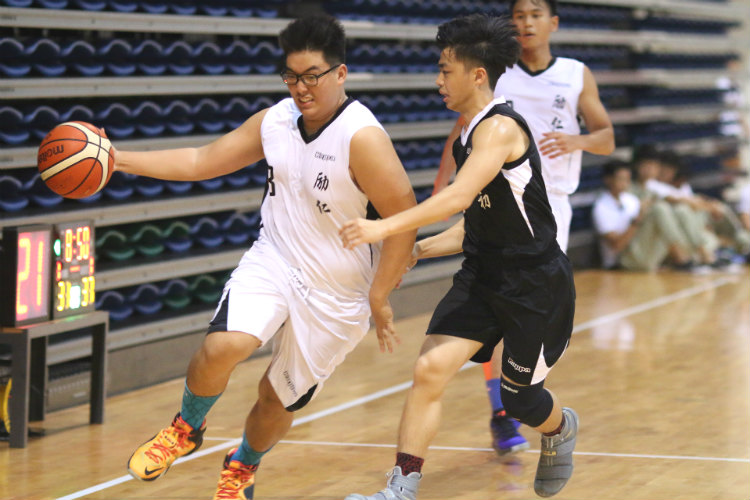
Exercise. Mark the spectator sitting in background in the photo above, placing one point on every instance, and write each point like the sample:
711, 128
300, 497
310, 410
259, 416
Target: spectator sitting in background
719, 217
646, 164
692, 221
633, 235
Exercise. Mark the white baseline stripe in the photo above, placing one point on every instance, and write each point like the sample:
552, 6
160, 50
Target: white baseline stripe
688, 292
467, 448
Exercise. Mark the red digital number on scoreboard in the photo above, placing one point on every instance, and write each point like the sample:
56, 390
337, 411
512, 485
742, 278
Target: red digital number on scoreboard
25, 274
32, 278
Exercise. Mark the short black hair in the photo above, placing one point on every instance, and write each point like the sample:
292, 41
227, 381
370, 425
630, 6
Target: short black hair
646, 152
481, 40
552, 4
610, 168
319, 32
672, 160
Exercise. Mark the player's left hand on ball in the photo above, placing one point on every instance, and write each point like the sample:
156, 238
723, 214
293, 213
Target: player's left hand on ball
357, 231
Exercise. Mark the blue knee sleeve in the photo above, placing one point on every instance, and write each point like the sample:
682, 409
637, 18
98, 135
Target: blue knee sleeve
531, 404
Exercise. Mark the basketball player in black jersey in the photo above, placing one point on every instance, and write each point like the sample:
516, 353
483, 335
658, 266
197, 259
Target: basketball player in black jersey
515, 283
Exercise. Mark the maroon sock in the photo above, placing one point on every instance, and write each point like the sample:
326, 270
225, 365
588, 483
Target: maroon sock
558, 430
408, 463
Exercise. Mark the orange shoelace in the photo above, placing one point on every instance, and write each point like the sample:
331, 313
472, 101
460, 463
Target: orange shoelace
167, 441
234, 479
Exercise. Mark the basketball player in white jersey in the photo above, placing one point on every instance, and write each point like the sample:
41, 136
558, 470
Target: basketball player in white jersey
515, 283
328, 159
549, 92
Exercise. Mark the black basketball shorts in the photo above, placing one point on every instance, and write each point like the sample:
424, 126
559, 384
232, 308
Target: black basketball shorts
530, 308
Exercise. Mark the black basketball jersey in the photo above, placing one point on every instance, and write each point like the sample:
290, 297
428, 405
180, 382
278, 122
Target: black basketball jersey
510, 221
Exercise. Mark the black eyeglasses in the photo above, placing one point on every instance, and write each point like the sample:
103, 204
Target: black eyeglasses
309, 79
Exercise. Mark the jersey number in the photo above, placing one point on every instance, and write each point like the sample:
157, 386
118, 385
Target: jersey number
270, 186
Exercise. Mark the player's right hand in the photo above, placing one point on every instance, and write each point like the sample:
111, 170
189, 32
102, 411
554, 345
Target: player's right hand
382, 314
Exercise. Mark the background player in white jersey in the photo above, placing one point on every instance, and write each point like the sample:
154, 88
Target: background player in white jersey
328, 157
549, 92
515, 283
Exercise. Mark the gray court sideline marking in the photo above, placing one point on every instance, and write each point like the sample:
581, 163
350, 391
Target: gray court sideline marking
658, 302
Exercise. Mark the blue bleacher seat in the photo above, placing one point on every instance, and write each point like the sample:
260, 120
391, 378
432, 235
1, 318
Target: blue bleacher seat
116, 119
206, 231
123, 5
115, 54
53, 4
18, 3
178, 187
147, 117
11, 197
77, 112
148, 187
174, 293
178, 56
238, 57
148, 56
41, 120
265, 12
14, 62
176, 116
120, 186
206, 114
154, 6
214, 9
235, 112
91, 198
259, 104
259, 173
92, 5
183, 7
145, 298
243, 8
238, 179
81, 56
208, 57
177, 236
211, 184
12, 129
266, 57
44, 56
38, 192
238, 228
114, 302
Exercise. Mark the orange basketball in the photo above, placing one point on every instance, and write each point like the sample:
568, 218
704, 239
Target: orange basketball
75, 159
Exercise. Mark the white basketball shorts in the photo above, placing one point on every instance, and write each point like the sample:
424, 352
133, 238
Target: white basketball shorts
563, 213
313, 331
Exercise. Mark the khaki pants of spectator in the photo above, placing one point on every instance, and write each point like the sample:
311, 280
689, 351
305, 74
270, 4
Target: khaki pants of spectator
649, 247
695, 225
730, 228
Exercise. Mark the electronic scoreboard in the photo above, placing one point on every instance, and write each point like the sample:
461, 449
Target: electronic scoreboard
46, 271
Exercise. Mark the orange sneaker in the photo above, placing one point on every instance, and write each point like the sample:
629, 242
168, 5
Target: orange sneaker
154, 457
237, 480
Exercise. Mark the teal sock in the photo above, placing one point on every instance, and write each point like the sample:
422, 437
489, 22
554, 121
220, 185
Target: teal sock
195, 408
246, 455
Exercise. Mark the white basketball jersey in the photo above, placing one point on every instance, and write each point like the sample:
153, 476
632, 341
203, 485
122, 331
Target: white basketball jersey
548, 101
310, 194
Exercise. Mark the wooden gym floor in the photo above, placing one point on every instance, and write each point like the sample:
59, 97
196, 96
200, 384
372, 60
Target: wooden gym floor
658, 370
